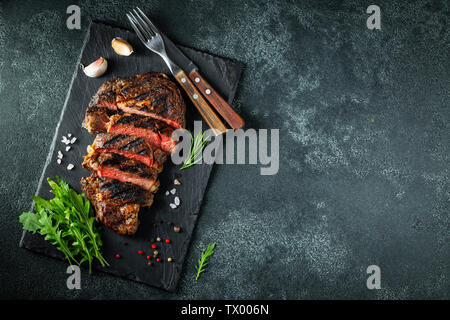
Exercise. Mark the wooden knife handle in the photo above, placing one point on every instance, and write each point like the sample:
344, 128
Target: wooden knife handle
214, 98
202, 106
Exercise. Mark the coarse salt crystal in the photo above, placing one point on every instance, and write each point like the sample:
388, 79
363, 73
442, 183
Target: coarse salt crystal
176, 182
70, 166
67, 148
58, 161
60, 155
173, 191
173, 206
69, 135
73, 140
167, 193
177, 201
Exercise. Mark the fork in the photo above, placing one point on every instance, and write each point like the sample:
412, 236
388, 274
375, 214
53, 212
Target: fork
152, 39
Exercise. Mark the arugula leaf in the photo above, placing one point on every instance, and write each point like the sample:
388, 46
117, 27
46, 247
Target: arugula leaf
67, 222
203, 261
30, 221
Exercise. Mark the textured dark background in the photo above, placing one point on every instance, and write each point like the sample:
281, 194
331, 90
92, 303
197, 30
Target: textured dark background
364, 147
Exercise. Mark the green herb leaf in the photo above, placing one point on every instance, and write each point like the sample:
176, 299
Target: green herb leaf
30, 221
196, 152
203, 261
67, 222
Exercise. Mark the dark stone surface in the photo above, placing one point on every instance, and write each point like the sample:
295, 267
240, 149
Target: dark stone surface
364, 147
224, 73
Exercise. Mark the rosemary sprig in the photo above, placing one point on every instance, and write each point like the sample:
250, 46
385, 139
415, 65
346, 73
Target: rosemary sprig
203, 261
196, 152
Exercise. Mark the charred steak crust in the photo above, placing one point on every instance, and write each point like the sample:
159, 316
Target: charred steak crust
121, 217
149, 94
96, 119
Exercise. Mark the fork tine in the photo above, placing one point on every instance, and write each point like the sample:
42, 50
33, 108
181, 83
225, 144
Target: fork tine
146, 19
135, 27
142, 27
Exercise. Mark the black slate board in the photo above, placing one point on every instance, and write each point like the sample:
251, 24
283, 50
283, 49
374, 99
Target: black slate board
223, 74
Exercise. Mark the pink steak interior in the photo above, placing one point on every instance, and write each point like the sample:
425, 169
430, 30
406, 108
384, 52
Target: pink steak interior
114, 173
158, 140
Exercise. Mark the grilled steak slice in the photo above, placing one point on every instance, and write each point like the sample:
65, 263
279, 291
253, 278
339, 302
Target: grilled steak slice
131, 147
119, 215
121, 219
117, 167
155, 132
116, 192
149, 94
153, 95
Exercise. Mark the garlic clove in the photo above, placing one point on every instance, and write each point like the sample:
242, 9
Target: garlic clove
121, 47
96, 68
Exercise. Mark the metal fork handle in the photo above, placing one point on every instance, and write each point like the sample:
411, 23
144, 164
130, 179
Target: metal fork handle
202, 106
174, 69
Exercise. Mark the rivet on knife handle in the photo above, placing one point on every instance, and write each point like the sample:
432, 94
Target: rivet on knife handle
202, 106
222, 107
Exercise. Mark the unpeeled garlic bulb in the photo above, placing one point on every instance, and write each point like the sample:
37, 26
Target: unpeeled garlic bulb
121, 47
96, 68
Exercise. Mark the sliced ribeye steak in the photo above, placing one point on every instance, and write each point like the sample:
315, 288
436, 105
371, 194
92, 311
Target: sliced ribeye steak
148, 94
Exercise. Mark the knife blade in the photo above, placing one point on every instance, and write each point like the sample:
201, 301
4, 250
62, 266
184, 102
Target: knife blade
177, 55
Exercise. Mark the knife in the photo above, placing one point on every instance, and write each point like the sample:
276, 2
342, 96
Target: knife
222, 107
